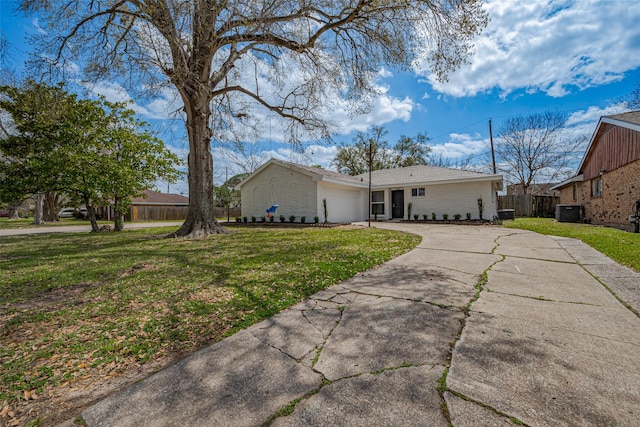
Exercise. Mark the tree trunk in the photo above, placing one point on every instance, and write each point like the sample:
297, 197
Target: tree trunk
201, 219
118, 215
51, 206
37, 214
91, 212
13, 211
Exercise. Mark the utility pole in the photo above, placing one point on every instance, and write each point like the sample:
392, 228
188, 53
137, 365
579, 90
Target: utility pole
226, 180
493, 154
369, 198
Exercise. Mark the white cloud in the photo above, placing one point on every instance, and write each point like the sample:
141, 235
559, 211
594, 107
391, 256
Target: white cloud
592, 114
385, 73
555, 47
460, 146
37, 27
160, 108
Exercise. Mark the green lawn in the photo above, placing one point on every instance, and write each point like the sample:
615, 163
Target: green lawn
85, 307
28, 223
618, 245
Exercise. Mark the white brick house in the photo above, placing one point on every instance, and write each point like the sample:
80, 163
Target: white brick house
299, 190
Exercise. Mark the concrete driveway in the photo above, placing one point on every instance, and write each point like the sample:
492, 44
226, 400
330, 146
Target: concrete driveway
478, 326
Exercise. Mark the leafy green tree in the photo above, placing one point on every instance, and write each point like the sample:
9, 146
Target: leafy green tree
36, 133
131, 160
354, 159
95, 151
227, 59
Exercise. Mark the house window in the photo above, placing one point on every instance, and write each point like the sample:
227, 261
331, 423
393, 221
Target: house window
417, 192
596, 187
575, 191
377, 202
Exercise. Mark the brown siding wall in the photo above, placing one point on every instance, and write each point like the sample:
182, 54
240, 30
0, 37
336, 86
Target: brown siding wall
614, 148
170, 213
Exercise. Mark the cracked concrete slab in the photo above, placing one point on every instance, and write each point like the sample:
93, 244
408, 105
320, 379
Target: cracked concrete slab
532, 245
549, 363
623, 281
378, 332
470, 414
400, 397
548, 280
239, 381
292, 333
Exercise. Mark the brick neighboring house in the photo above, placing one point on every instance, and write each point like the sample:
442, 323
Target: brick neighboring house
607, 183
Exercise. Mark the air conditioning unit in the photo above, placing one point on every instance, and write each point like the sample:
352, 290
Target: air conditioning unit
568, 213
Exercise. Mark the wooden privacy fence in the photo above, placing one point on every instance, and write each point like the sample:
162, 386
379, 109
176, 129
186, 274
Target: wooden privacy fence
168, 213
526, 205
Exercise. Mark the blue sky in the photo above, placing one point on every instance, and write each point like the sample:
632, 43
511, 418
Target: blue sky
578, 57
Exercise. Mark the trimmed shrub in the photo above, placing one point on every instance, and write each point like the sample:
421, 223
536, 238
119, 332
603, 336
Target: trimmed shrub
425, 216
292, 218
468, 216
457, 217
445, 216
282, 218
316, 219
303, 219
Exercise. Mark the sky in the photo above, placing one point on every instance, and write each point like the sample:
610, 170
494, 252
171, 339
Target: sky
577, 57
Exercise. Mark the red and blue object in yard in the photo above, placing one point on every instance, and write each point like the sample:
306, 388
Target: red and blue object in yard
271, 211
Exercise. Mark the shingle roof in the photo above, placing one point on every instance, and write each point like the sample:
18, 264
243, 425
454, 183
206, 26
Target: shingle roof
319, 171
422, 174
630, 117
153, 197
388, 177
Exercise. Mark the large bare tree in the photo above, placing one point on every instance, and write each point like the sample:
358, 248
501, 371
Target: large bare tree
534, 149
227, 57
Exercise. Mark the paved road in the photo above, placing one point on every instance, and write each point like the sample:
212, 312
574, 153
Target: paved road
478, 326
84, 228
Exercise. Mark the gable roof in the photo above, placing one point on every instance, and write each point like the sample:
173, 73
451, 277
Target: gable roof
155, 198
410, 175
421, 174
317, 174
630, 120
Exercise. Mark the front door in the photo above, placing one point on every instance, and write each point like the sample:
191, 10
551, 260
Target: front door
397, 204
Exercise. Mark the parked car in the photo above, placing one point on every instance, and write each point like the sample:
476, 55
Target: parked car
73, 213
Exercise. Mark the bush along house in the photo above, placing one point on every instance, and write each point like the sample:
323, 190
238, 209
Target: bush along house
402, 193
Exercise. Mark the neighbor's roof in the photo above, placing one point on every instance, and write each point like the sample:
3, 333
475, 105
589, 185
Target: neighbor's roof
631, 118
156, 198
577, 178
425, 175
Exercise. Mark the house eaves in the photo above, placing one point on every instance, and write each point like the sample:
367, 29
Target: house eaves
577, 178
425, 175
